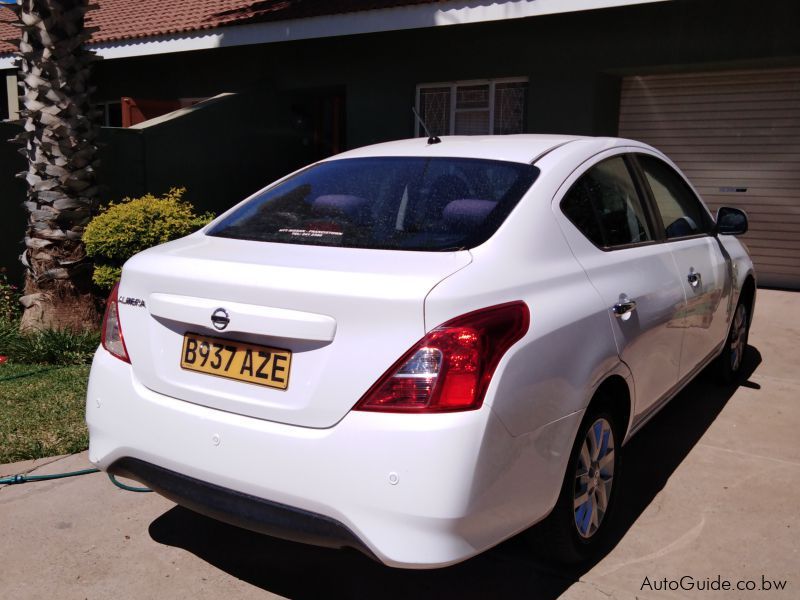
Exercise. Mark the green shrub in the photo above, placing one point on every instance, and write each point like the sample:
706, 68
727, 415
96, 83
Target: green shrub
9, 334
105, 276
135, 224
10, 308
51, 346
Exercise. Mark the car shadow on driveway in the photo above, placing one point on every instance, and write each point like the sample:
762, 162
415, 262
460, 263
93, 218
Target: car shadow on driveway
507, 571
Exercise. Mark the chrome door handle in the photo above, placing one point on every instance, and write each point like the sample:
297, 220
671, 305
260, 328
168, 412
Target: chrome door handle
624, 308
694, 278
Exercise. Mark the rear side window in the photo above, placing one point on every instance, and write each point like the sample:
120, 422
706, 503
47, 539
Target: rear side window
406, 203
605, 206
680, 210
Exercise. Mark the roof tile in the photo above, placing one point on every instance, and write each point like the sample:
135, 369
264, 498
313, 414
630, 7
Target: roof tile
117, 20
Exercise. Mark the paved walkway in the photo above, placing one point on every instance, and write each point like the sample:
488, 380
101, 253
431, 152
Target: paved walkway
712, 490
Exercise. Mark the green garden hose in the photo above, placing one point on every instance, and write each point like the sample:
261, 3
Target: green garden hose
29, 373
128, 488
22, 478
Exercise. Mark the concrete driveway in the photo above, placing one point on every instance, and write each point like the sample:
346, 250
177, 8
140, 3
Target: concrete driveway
712, 491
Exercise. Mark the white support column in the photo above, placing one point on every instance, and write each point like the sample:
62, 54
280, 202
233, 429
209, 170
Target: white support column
12, 89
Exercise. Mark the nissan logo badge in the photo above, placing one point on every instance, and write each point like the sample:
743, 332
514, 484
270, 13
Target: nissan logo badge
220, 319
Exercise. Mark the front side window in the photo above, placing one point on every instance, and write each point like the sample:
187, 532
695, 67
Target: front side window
404, 203
680, 210
605, 206
473, 108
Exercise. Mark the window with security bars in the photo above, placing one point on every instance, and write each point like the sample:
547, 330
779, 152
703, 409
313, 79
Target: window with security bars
494, 106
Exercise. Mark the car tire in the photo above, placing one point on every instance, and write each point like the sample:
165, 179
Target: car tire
575, 533
729, 362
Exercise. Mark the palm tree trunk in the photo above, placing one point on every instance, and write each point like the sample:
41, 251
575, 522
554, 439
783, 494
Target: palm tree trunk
59, 144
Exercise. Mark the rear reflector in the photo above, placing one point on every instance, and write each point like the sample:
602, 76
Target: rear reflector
450, 368
112, 339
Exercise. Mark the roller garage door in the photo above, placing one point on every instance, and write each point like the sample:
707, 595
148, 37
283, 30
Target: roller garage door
736, 135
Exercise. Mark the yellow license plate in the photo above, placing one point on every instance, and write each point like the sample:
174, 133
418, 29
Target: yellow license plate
252, 363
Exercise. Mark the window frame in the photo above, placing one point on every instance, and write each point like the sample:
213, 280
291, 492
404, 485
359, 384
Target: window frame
105, 107
454, 85
653, 205
644, 201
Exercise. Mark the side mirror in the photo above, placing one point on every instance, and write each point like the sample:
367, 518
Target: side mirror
730, 221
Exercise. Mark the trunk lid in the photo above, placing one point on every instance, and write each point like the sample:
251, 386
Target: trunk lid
344, 314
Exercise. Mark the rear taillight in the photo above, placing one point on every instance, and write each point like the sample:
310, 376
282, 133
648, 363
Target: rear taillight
112, 329
451, 367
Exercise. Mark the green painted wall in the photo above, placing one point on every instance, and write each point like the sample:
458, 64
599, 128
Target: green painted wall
211, 150
574, 61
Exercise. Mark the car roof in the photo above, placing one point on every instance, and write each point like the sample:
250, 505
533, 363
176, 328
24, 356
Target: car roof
522, 148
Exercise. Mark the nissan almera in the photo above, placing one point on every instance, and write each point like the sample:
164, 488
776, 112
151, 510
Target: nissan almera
420, 349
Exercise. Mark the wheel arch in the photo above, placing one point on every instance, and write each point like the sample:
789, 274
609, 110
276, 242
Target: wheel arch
747, 295
615, 395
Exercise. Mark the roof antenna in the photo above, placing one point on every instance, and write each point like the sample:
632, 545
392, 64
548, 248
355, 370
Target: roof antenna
432, 139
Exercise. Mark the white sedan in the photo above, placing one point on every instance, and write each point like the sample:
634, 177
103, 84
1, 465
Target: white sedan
421, 348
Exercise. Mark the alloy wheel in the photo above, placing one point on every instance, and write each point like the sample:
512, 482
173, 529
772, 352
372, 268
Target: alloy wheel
594, 477
738, 338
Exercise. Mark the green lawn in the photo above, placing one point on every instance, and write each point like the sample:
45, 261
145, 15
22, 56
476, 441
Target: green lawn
42, 411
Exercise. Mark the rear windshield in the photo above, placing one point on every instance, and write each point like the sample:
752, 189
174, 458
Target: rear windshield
405, 203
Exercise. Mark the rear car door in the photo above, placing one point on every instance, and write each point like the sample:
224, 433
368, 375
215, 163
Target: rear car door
702, 263
614, 238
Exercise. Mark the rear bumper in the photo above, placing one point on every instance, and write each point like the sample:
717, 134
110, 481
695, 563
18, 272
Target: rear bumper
241, 510
414, 491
